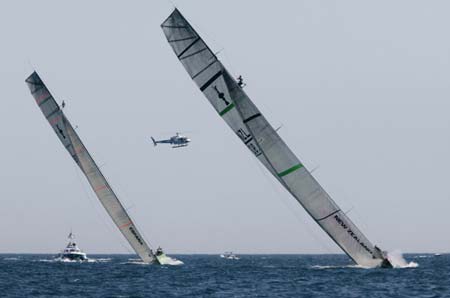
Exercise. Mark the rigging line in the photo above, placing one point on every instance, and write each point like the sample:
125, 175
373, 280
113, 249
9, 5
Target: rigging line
202, 33
346, 201
314, 169
173, 4
106, 223
292, 209
131, 204
30, 64
222, 50
127, 204
218, 52
346, 212
228, 63
142, 232
286, 186
94, 202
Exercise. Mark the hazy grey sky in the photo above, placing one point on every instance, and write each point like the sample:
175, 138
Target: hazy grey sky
362, 89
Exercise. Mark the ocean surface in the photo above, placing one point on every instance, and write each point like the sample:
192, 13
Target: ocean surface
29, 275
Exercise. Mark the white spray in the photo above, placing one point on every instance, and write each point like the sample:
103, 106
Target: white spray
397, 260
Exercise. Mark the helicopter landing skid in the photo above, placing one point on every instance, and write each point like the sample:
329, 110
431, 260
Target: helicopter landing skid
178, 146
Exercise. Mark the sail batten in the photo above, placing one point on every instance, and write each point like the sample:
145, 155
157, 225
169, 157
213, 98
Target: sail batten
244, 118
73, 144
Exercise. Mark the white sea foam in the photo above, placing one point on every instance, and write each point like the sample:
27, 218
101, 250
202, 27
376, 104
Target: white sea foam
64, 260
135, 262
56, 260
167, 261
11, 259
395, 257
397, 260
339, 267
173, 262
100, 260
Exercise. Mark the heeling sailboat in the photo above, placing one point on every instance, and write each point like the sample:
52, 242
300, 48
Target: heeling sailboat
83, 159
235, 107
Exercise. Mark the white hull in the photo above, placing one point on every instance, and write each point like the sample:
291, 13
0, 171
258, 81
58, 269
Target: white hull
162, 259
81, 256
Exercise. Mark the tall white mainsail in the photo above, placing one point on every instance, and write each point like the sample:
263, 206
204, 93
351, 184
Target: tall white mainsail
79, 153
239, 112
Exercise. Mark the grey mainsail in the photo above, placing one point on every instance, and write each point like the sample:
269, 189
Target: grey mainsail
83, 159
239, 112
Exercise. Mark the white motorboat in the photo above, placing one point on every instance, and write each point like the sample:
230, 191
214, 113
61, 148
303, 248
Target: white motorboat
72, 252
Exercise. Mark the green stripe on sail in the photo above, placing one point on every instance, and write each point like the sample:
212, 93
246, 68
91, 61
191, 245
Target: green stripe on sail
290, 170
227, 109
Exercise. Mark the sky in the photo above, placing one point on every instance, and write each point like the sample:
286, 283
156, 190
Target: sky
361, 88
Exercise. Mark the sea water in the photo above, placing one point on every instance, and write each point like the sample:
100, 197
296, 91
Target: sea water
425, 275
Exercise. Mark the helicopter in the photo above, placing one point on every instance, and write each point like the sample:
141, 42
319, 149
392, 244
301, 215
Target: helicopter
177, 141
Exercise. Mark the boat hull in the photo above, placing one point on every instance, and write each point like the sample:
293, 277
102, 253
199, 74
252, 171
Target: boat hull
162, 259
74, 256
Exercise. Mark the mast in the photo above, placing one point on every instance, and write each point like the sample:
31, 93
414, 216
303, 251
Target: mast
244, 118
73, 144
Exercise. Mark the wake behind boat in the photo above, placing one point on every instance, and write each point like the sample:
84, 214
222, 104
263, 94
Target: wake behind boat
73, 144
72, 252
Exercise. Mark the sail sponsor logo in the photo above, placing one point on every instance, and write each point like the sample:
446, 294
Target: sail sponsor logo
136, 235
221, 96
247, 139
60, 131
351, 233
254, 148
243, 135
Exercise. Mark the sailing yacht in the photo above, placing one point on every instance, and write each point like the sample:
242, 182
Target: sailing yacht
232, 104
79, 153
72, 252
